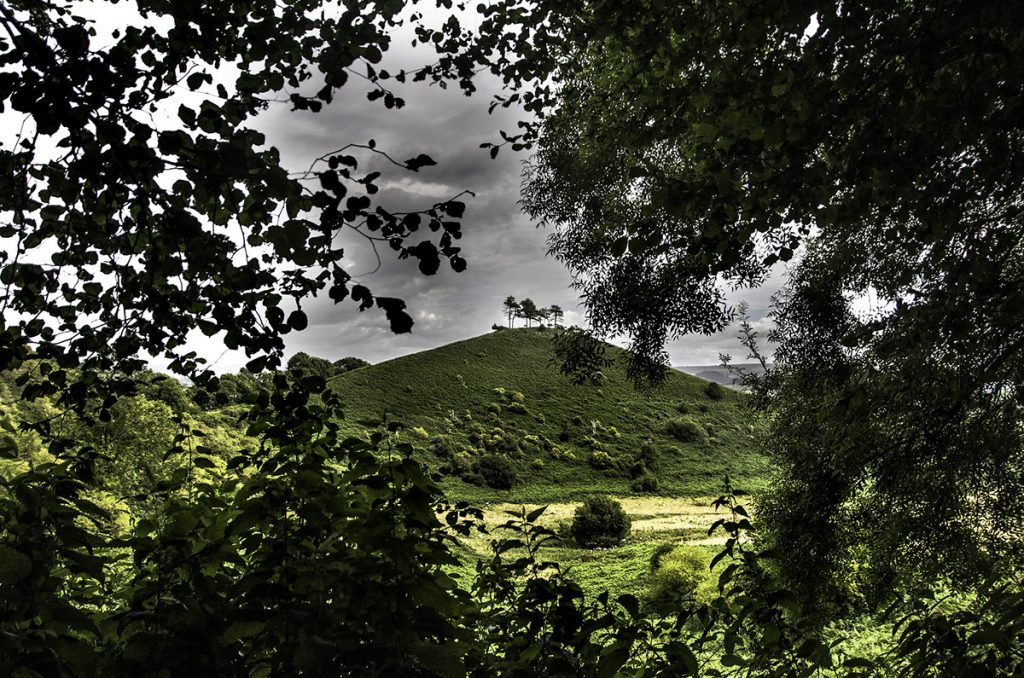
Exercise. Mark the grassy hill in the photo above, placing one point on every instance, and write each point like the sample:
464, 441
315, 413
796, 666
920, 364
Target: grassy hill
500, 396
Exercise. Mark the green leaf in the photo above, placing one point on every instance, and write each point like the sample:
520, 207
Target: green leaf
705, 131
988, 637
532, 516
14, 565
612, 659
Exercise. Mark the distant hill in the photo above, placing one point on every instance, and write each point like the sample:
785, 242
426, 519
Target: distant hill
500, 394
717, 373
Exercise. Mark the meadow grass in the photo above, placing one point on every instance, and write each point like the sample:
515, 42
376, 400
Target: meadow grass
507, 384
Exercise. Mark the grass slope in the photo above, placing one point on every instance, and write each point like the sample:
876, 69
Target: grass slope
500, 393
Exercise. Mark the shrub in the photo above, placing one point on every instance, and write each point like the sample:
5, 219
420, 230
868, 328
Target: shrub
420, 432
637, 469
648, 455
683, 408
714, 390
443, 446
501, 441
682, 574
647, 482
537, 464
518, 397
600, 460
577, 421
461, 465
517, 407
494, 408
703, 408
599, 521
496, 471
473, 478
500, 392
660, 552
686, 431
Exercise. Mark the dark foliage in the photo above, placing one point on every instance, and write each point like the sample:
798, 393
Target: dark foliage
599, 521
686, 430
645, 482
496, 471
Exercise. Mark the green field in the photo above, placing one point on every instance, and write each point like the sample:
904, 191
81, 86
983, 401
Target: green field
625, 568
457, 399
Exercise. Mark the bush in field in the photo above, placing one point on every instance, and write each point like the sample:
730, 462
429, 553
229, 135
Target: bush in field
714, 390
648, 455
681, 574
599, 521
686, 430
496, 471
683, 408
646, 482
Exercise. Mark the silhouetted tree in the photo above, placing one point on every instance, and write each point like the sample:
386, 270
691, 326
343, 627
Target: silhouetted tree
511, 310
527, 311
556, 314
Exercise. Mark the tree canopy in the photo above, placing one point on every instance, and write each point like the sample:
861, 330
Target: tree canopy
128, 229
876, 148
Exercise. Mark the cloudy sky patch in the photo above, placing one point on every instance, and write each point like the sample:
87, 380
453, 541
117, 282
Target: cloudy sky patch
506, 253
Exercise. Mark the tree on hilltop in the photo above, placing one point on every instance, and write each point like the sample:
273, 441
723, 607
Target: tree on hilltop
557, 315
511, 307
527, 311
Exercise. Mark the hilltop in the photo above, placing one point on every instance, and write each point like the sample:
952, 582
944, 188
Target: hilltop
500, 396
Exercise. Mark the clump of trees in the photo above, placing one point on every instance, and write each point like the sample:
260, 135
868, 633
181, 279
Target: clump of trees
528, 310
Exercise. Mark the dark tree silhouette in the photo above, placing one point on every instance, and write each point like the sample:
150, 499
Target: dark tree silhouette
527, 311
511, 307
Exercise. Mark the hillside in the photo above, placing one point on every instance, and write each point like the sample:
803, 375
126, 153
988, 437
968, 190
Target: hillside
499, 395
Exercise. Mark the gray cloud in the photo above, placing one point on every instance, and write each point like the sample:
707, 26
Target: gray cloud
506, 253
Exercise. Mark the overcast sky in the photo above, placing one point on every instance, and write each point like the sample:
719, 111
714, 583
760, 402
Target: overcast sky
505, 251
